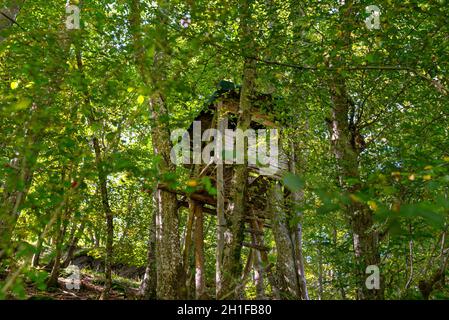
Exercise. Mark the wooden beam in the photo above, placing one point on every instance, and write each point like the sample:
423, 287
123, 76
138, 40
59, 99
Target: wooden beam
195, 196
254, 231
255, 246
185, 204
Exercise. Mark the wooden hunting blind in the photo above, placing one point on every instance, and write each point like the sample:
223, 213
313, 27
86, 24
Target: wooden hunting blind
221, 113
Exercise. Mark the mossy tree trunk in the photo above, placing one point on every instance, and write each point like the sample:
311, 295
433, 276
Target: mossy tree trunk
237, 210
153, 72
286, 268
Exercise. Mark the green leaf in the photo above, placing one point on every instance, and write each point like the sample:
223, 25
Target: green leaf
293, 182
21, 104
140, 99
14, 85
423, 210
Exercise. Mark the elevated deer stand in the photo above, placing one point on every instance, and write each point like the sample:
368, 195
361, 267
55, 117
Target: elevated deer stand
221, 113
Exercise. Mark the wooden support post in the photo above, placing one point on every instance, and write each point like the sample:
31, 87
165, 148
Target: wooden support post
188, 244
222, 124
200, 283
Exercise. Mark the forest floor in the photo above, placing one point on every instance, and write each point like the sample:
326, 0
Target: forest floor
91, 286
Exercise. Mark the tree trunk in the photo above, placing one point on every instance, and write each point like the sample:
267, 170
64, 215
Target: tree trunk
37, 255
236, 210
72, 245
346, 154
52, 281
148, 286
60, 228
287, 280
170, 273
344, 135
170, 281
102, 181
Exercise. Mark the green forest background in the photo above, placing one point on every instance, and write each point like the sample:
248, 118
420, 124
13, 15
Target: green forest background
85, 122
